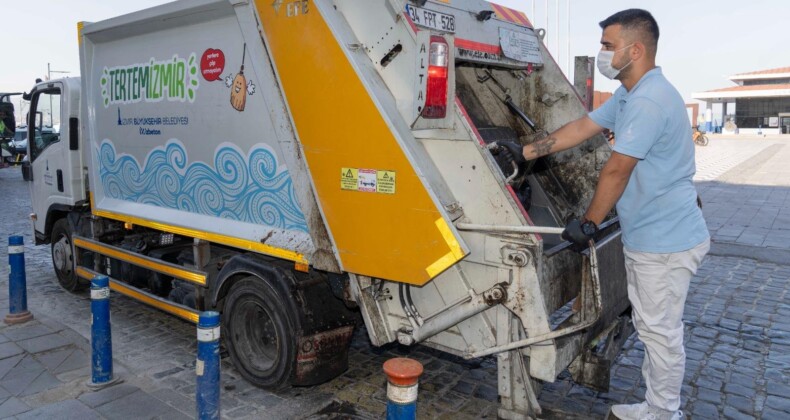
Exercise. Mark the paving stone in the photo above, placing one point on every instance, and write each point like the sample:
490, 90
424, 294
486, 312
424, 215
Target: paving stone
487, 392
745, 391
51, 360
28, 330
68, 409
12, 407
20, 376
780, 403
740, 403
771, 414
138, 405
44, 343
778, 389
705, 410
464, 388
178, 401
733, 414
9, 349
103, 396
9, 363
78, 360
43, 382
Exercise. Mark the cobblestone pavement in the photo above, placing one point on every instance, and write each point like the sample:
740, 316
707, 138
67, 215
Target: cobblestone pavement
737, 331
744, 183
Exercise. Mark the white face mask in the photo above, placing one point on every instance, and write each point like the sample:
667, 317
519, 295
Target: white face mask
605, 63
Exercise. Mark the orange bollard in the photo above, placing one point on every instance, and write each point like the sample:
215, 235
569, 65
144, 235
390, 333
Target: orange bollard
402, 375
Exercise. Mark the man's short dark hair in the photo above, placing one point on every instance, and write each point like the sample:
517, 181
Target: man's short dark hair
639, 21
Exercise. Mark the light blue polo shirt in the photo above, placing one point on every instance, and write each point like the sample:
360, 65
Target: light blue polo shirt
658, 209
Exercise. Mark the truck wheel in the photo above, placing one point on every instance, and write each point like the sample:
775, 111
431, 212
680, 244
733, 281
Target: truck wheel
258, 332
63, 257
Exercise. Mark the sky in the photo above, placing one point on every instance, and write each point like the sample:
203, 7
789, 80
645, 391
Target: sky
702, 42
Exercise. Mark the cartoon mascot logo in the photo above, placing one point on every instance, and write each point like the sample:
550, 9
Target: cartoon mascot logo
239, 86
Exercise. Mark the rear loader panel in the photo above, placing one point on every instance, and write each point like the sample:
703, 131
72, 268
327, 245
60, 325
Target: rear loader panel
387, 228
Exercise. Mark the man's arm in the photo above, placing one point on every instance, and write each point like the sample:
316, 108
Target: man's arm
566, 137
611, 184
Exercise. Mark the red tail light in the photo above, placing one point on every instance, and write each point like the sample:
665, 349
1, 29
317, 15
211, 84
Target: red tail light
436, 96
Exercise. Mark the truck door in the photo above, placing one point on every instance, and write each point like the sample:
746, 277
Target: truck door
47, 152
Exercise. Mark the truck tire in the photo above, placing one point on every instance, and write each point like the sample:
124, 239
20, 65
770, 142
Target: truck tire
259, 333
63, 257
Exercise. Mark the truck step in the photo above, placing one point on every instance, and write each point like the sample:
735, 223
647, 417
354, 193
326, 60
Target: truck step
176, 271
116, 285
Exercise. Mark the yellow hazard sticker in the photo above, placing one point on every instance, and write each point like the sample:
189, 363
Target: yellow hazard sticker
349, 179
385, 182
367, 180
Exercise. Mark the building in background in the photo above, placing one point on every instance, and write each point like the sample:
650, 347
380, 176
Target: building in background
600, 97
761, 98
693, 111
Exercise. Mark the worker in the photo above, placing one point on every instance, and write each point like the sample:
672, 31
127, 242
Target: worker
649, 178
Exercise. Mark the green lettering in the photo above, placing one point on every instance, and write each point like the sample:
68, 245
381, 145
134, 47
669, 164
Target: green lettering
143, 77
150, 89
167, 77
116, 84
111, 84
181, 70
122, 92
135, 85
156, 69
151, 81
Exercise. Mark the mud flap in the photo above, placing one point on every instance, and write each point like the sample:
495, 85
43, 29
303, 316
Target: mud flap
322, 356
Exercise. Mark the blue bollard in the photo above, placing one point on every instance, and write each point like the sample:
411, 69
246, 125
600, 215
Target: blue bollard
17, 287
402, 375
101, 336
207, 366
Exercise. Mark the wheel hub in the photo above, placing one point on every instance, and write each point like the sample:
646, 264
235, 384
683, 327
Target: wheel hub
61, 254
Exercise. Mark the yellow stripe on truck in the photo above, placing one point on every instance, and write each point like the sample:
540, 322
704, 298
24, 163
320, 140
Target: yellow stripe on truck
211, 237
180, 311
386, 235
172, 270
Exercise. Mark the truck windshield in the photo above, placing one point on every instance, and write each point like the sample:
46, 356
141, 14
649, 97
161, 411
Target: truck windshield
45, 119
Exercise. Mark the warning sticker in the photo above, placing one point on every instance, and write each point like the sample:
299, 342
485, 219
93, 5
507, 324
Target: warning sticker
367, 180
349, 179
385, 182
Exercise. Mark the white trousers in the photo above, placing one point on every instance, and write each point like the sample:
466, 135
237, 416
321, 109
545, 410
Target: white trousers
657, 288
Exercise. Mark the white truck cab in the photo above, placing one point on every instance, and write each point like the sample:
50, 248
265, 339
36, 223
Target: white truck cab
55, 152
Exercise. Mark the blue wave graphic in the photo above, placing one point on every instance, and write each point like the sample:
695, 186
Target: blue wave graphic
251, 188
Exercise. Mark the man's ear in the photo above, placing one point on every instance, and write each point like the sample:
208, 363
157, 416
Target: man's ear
638, 51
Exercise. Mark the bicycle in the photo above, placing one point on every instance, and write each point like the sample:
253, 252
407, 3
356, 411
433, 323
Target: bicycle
699, 138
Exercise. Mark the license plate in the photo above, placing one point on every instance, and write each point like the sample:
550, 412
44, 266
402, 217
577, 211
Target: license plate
431, 19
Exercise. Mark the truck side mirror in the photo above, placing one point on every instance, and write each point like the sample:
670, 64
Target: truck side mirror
27, 171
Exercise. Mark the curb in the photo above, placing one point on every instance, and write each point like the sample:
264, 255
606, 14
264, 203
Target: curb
770, 255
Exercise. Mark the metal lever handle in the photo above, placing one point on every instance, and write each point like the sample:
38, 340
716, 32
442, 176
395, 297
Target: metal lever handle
558, 333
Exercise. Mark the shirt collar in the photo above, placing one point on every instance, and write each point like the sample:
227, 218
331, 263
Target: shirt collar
656, 71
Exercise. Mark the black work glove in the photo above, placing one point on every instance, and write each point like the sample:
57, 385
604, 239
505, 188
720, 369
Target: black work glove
508, 153
579, 233
513, 149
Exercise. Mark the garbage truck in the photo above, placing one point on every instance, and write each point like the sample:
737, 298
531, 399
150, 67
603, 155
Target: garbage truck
299, 164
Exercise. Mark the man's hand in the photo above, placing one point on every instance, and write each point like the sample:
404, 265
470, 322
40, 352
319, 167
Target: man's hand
579, 233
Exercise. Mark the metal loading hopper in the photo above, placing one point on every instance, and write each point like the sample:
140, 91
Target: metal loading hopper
551, 190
